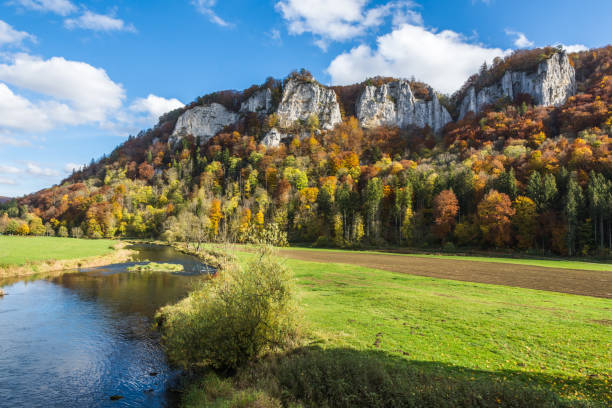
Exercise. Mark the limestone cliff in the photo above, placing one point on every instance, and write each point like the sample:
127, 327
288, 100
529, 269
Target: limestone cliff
302, 98
550, 84
259, 102
204, 121
394, 104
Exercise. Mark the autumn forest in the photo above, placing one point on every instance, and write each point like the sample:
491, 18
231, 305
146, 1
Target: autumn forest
512, 177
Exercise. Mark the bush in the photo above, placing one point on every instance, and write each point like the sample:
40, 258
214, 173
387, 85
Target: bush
449, 247
213, 391
236, 317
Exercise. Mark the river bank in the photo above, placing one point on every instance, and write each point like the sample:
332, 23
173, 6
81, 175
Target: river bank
117, 252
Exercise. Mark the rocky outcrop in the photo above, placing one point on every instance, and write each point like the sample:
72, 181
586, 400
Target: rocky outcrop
394, 104
204, 121
302, 98
259, 102
550, 84
273, 138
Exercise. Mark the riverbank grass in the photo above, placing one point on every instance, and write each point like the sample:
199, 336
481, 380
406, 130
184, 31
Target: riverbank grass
25, 256
466, 337
19, 251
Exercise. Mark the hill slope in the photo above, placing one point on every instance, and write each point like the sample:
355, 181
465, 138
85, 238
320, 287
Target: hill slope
380, 162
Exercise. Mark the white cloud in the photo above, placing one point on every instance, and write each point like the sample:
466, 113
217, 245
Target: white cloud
442, 59
79, 93
341, 20
205, 7
98, 22
61, 7
9, 170
10, 36
574, 48
520, 40
36, 170
11, 141
17, 112
7, 181
155, 106
70, 167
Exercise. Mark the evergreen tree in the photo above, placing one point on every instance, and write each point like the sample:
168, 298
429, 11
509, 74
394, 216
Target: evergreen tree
572, 203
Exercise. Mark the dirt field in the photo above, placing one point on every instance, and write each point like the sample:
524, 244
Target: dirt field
577, 282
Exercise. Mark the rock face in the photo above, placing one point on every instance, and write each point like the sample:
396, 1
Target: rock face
304, 98
204, 121
550, 85
394, 104
273, 138
259, 102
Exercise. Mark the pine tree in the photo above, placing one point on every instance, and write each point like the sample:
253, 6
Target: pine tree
572, 203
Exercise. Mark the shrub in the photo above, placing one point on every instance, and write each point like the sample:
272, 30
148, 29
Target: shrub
449, 247
234, 318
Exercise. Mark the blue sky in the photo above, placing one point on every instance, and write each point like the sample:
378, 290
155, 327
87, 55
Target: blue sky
76, 78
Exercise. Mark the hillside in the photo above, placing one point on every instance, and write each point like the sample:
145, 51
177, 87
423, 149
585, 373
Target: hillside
519, 158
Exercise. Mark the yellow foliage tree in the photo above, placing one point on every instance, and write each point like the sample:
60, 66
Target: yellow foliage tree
215, 216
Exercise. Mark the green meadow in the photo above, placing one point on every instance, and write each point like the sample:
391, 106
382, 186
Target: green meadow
19, 251
467, 331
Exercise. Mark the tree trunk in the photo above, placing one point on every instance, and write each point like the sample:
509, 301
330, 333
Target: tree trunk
601, 230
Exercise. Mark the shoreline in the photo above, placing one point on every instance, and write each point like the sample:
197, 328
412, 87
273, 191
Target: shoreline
120, 254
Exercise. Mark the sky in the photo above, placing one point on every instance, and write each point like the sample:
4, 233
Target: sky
78, 77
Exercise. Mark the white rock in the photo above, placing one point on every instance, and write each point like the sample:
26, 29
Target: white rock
302, 98
394, 104
550, 84
273, 138
259, 102
204, 121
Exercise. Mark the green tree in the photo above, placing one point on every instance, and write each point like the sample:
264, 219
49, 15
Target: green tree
373, 195
571, 207
401, 208
542, 190
597, 190
506, 183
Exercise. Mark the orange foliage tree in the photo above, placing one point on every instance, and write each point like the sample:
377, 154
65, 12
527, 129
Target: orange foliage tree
446, 208
494, 213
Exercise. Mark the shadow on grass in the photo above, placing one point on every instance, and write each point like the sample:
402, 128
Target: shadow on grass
317, 377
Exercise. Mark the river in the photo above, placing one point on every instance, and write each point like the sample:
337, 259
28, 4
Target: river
80, 338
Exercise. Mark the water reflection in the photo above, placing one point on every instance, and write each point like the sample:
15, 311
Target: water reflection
75, 340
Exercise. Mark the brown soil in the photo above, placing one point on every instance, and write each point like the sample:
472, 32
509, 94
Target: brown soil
577, 282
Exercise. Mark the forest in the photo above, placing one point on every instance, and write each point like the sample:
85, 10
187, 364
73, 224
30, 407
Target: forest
513, 177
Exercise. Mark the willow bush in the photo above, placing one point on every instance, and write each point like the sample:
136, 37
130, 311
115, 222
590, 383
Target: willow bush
242, 313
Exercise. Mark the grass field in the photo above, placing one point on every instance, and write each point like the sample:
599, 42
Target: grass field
469, 330
545, 263
19, 251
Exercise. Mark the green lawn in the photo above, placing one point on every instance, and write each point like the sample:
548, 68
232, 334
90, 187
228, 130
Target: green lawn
547, 263
18, 251
556, 341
